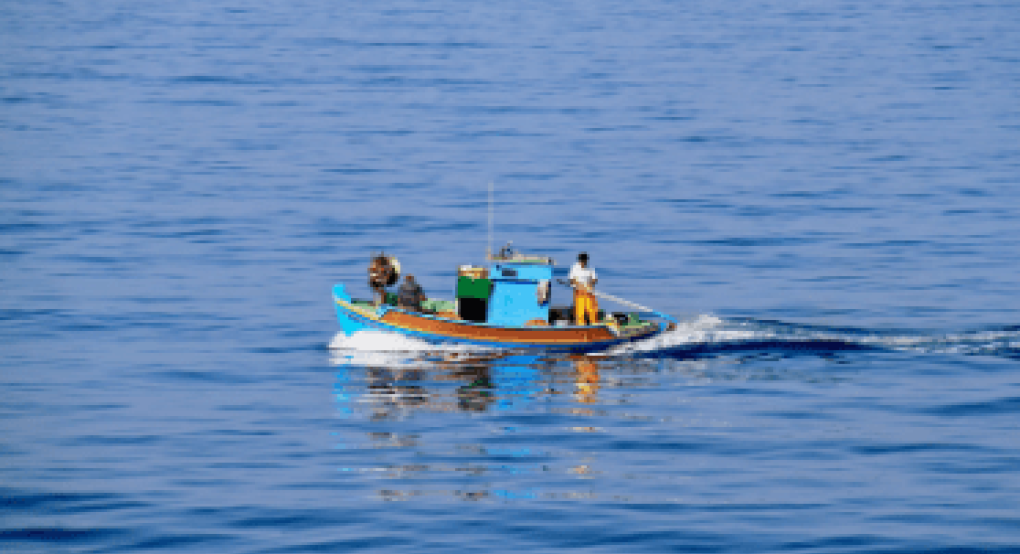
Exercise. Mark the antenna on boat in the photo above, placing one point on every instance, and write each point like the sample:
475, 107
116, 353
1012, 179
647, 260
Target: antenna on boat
488, 250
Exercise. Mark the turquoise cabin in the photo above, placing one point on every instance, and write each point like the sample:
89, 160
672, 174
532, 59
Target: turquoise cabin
521, 292
512, 292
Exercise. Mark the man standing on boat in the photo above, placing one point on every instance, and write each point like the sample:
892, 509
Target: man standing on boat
583, 278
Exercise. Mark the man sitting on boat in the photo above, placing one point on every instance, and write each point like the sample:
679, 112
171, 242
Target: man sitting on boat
381, 274
410, 295
582, 278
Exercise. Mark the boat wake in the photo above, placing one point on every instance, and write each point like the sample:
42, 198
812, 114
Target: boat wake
707, 335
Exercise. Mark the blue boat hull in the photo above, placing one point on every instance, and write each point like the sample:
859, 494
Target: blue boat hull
444, 331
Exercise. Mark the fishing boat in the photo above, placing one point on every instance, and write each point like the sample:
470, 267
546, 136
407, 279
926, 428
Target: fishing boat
504, 304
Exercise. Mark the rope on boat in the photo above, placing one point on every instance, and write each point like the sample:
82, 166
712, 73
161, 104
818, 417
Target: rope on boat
634, 305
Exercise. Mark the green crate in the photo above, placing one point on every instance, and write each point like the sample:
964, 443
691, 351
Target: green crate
438, 305
474, 288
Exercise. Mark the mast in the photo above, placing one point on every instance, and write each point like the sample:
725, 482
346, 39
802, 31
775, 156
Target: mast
488, 250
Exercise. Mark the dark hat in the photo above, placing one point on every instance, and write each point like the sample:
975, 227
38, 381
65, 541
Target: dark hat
583, 256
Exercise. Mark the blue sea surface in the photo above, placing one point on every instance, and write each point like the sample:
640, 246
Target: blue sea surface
824, 193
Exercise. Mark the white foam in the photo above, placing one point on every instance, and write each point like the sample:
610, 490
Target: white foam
381, 341
392, 350
703, 329
377, 341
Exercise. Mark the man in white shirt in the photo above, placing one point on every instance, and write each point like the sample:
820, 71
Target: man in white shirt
582, 278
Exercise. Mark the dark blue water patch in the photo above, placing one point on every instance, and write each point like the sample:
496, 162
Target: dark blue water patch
887, 243
178, 376
26, 227
184, 221
108, 260
205, 102
195, 541
785, 347
354, 44
216, 80
293, 519
22, 99
348, 545
101, 407
12, 254
847, 543
80, 73
987, 464
401, 82
876, 545
848, 209
197, 232
914, 448
317, 346
546, 533
1012, 353
113, 441
57, 536
672, 118
750, 242
354, 170
998, 407
48, 321
701, 139
21, 314
108, 507
231, 433
22, 500
963, 212
678, 541
800, 415
890, 158
917, 196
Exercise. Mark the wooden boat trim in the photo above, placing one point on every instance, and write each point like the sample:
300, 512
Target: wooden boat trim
524, 335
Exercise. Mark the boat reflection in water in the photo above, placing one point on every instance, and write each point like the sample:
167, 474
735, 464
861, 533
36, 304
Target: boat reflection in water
465, 383
512, 426
451, 382
422, 411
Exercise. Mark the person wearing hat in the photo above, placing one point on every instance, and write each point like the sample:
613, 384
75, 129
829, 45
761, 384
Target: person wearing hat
380, 275
583, 278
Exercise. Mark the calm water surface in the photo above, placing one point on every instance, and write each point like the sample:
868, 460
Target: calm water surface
824, 193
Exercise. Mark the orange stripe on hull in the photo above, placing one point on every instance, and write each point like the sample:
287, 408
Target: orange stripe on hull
526, 335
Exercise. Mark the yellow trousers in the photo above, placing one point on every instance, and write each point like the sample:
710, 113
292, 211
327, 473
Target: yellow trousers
585, 306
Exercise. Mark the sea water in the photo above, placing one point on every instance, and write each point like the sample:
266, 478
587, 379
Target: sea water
824, 193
